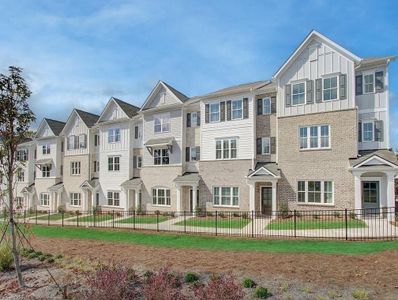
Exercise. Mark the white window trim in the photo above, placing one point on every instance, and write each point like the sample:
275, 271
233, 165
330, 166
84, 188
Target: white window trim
338, 89
72, 199
114, 135
48, 199
309, 148
75, 166
113, 163
219, 112
47, 171
322, 203
363, 131
305, 93
161, 156
113, 198
162, 118
48, 149
165, 196
268, 99
194, 124
262, 145
229, 148
232, 110
220, 196
363, 83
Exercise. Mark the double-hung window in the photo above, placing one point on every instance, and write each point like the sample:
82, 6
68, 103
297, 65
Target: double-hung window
237, 109
265, 146
46, 149
161, 157
22, 155
114, 163
162, 123
368, 83
194, 153
96, 165
45, 170
83, 141
266, 106
194, 119
44, 199
368, 131
114, 198
114, 135
226, 149
20, 175
330, 88
314, 137
298, 93
315, 192
226, 196
214, 112
75, 168
75, 199
161, 196
139, 162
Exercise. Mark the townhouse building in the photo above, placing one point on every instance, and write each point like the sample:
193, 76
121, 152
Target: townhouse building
314, 136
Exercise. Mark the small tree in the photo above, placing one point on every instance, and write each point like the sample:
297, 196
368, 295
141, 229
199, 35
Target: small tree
15, 120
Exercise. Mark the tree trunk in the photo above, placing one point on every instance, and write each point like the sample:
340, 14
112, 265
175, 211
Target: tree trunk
12, 228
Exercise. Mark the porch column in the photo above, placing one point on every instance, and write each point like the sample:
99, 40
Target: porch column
390, 196
178, 202
127, 194
358, 191
85, 200
136, 200
194, 196
93, 195
273, 199
252, 196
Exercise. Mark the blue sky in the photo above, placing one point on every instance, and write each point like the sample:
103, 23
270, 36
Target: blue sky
80, 53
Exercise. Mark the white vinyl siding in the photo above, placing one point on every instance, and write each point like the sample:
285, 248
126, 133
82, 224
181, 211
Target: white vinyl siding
315, 192
226, 196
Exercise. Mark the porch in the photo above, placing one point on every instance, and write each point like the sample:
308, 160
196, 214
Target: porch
187, 192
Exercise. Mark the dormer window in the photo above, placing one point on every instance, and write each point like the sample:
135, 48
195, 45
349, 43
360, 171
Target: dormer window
298, 93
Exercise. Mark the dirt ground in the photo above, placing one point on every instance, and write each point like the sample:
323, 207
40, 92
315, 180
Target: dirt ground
331, 275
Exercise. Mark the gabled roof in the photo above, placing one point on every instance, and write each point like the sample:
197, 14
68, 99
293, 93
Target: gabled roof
385, 156
269, 168
129, 109
88, 118
177, 94
314, 35
240, 88
55, 126
187, 178
375, 61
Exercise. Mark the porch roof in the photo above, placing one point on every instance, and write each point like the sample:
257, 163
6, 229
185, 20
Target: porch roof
265, 168
56, 187
93, 183
28, 189
132, 183
45, 161
381, 156
187, 178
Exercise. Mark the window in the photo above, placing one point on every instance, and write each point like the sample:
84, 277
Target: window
237, 109
136, 129
45, 171
226, 149
226, 196
214, 112
114, 163
97, 198
44, 199
298, 93
367, 131
20, 175
265, 145
75, 199
162, 123
314, 137
266, 106
194, 119
96, 140
161, 156
368, 83
96, 164
75, 168
114, 135
19, 202
22, 155
161, 196
46, 149
82, 141
139, 162
315, 192
195, 153
113, 198
330, 88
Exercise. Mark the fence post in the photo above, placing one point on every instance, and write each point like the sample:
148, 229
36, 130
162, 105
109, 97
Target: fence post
346, 224
157, 221
252, 223
133, 219
62, 218
36, 215
48, 218
295, 223
94, 214
185, 222
24, 216
113, 218
77, 219
216, 215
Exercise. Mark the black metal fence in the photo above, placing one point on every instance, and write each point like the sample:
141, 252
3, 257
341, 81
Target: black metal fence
364, 224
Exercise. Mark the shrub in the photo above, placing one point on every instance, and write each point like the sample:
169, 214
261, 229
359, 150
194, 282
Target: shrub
222, 215
336, 214
61, 209
209, 214
316, 216
50, 260
59, 256
148, 274
96, 210
262, 293
248, 283
219, 287
111, 282
42, 257
360, 295
140, 211
163, 285
191, 277
245, 215
352, 215
33, 255
6, 258
284, 210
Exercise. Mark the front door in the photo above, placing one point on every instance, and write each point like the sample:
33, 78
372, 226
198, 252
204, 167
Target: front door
191, 200
370, 196
266, 200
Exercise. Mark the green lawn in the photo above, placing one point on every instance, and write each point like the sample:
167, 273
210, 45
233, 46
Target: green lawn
214, 243
221, 222
55, 217
99, 218
142, 219
301, 224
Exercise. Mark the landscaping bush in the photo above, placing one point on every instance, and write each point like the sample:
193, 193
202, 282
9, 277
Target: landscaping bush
111, 282
337, 214
249, 283
96, 210
262, 293
6, 258
284, 210
191, 277
222, 215
219, 287
209, 214
148, 274
163, 285
61, 209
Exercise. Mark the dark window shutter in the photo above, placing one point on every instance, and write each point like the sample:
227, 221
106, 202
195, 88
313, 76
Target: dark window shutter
136, 132
343, 86
222, 111
188, 119
259, 106
379, 131
310, 91
318, 88
358, 85
360, 132
273, 145
187, 154
197, 153
379, 78
67, 143
288, 97
62, 146
245, 108
207, 113
258, 145
229, 112
134, 162
198, 118
273, 105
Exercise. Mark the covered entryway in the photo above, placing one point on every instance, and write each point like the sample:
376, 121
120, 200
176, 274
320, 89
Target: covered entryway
132, 188
187, 186
89, 188
266, 200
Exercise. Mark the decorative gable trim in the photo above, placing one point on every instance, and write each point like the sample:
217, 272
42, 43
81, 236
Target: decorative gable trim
105, 110
41, 127
378, 158
70, 120
263, 171
155, 91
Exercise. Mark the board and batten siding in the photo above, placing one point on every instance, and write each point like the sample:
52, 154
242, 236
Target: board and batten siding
55, 155
241, 129
318, 60
76, 127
